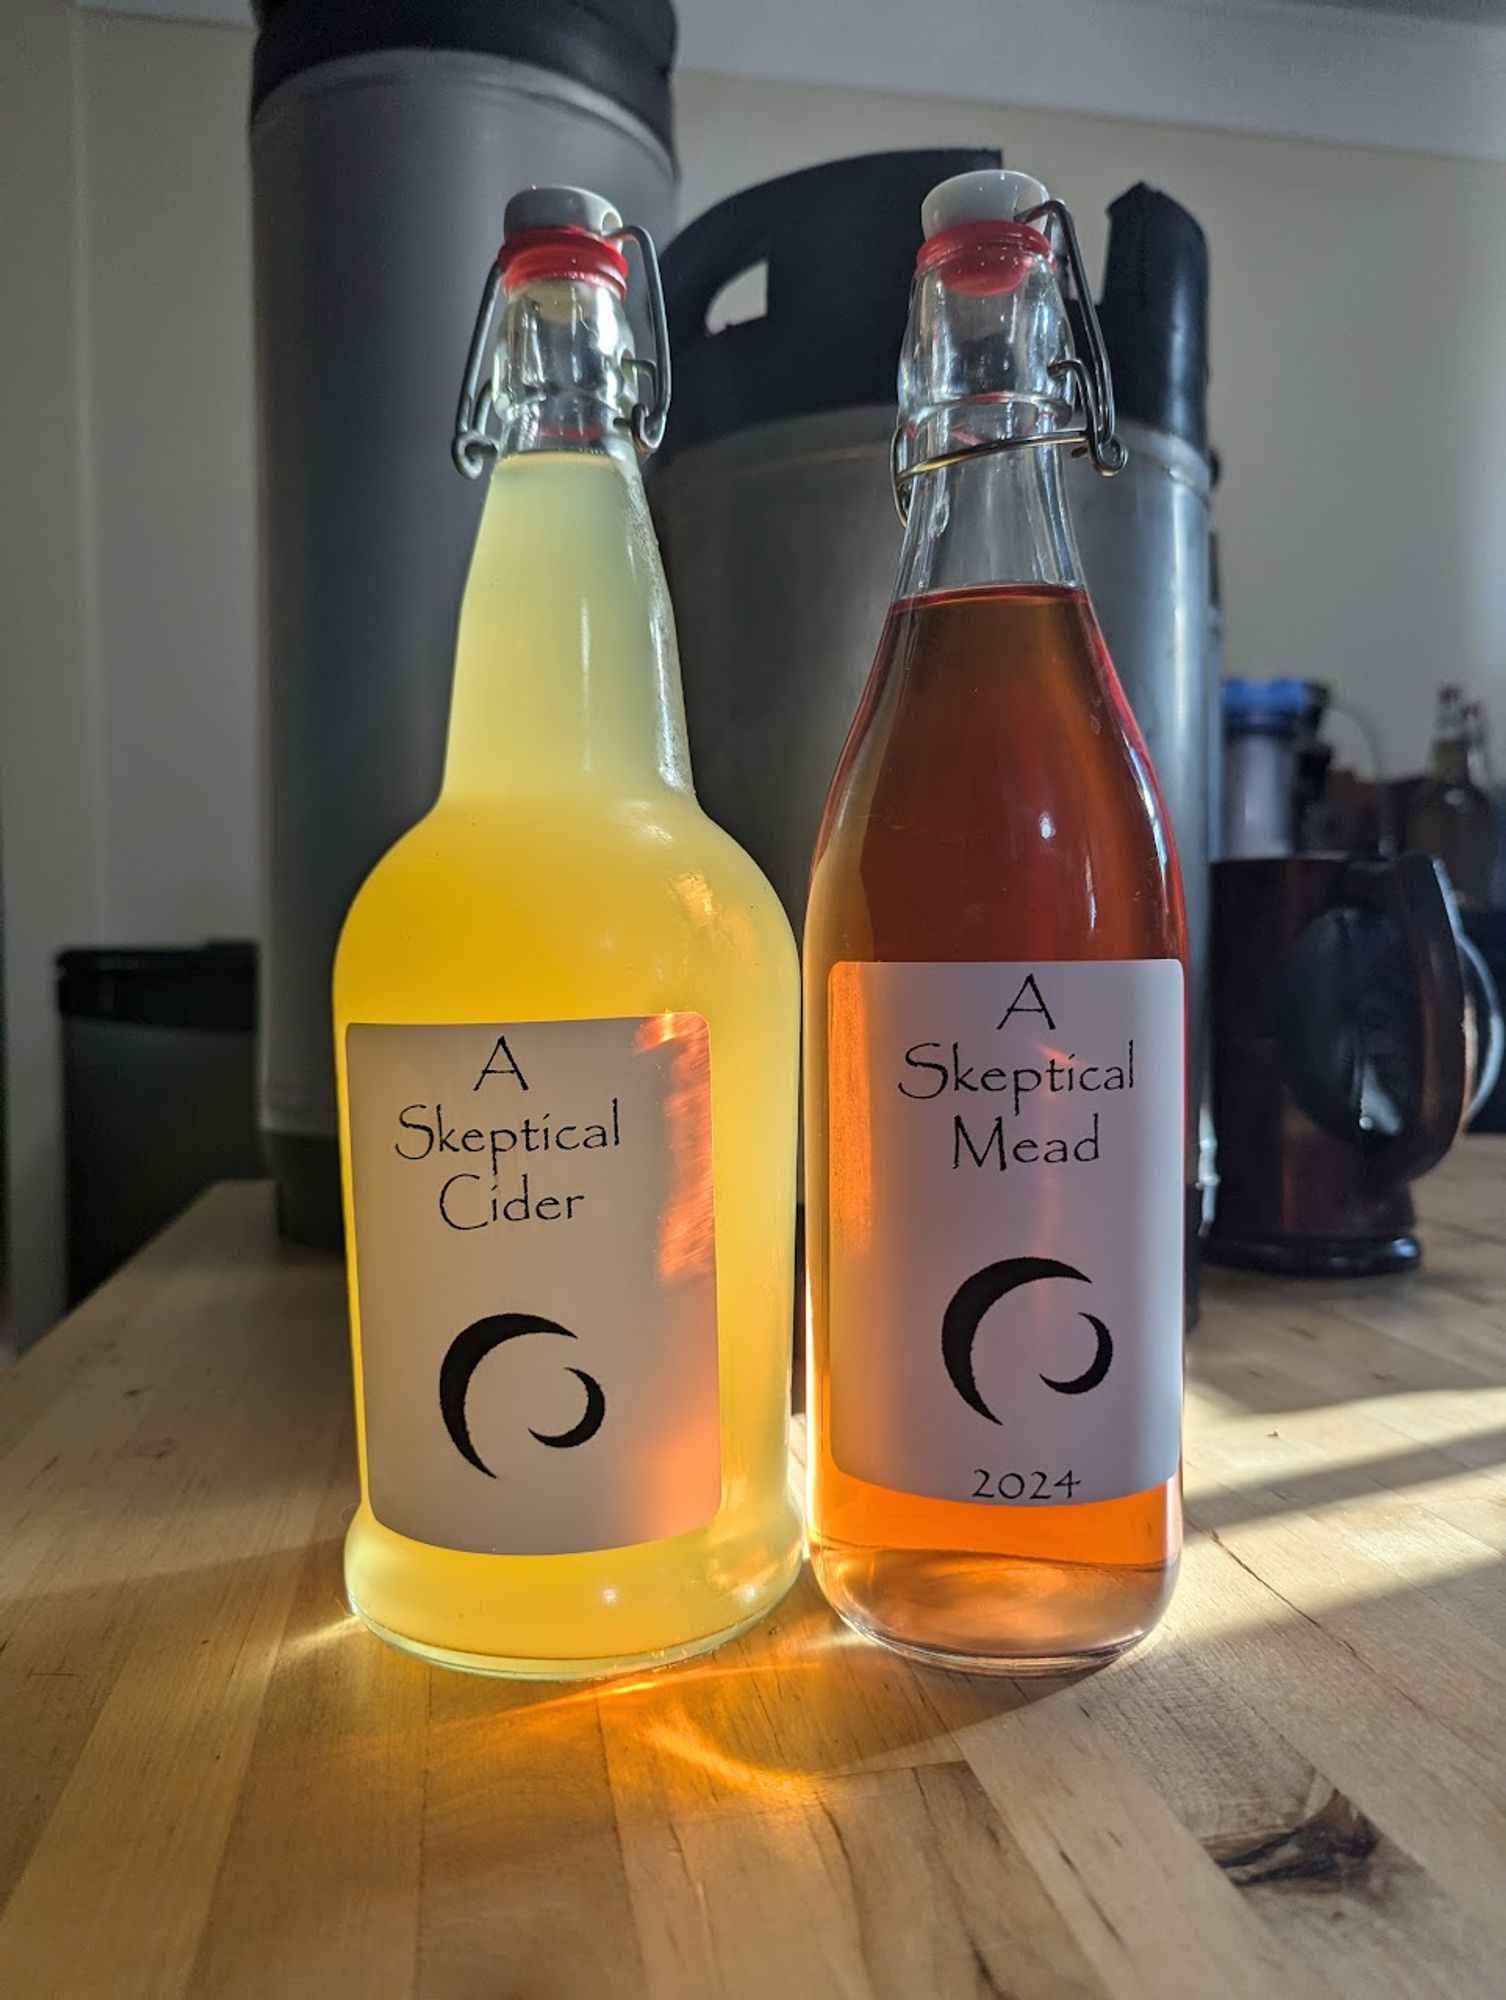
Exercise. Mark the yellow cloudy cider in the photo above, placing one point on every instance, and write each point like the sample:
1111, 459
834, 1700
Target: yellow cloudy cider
566, 875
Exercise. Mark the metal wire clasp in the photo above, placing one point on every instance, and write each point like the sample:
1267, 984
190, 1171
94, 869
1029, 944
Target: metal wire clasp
648, 425
1095, 381
474, 445
1092, 381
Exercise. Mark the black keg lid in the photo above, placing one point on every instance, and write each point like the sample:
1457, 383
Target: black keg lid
1154, 314
839, 242
623, 48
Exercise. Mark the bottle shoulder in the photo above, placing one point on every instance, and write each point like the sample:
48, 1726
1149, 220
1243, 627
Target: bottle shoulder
653, 883
1009, 813
568, 841
979, 788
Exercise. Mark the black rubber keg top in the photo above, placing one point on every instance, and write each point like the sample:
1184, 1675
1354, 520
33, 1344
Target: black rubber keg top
839, 242
1154, 314
623, 48
203, 986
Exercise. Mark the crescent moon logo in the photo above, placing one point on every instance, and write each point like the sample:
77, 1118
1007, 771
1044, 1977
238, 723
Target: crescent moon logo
464, 1356
590, 1423
983, 1290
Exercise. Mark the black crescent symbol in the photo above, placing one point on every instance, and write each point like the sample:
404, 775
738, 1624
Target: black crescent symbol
590, 1423
464, 1356
1096, 1369
983, 1290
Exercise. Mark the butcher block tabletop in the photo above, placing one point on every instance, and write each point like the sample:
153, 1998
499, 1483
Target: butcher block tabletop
214, 1782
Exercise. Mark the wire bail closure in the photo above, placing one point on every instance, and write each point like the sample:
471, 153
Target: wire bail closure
474, 444
1094, 436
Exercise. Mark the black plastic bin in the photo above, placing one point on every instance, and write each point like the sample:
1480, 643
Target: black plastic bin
159, 1091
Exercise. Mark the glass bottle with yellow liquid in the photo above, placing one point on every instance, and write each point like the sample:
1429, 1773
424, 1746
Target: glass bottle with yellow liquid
566, 1012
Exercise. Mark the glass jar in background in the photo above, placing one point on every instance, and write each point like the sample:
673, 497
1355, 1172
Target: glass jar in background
1449, 815
1262, 720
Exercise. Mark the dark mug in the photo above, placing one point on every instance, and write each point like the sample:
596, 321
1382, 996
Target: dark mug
1342, 1055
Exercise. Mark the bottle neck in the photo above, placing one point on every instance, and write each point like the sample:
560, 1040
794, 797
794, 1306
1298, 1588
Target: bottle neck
566, 672
1477, 761
563, 375
997, 518
1449, 760
983, 364
1448, 753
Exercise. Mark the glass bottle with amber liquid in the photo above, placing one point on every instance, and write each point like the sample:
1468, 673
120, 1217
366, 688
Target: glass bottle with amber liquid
994, 967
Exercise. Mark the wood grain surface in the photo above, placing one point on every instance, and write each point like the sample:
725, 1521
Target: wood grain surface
213, 1782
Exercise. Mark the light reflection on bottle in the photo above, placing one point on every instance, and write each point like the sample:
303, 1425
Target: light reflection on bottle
687, 1225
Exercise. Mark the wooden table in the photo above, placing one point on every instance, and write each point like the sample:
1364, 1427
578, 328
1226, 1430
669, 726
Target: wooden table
213, 1782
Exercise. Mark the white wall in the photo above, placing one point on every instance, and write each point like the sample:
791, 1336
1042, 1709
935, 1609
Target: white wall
50, 804
1364, 441
127, 548
166, 252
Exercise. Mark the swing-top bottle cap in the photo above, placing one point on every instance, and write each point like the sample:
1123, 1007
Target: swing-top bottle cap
565, 235
988, 256
995, 194
561, 233
560, 208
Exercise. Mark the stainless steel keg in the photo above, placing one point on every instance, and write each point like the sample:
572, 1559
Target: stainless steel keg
385, 143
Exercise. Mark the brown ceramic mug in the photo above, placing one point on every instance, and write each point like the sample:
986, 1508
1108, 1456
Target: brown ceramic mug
1341, 1057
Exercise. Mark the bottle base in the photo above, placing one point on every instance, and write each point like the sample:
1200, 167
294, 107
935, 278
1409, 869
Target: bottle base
994, 1615
501, 1667
1005, 1666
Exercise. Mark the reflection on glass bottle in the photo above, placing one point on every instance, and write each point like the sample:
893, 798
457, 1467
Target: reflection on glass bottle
1449, 814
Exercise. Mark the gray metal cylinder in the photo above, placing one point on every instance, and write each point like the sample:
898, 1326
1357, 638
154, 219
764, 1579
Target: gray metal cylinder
781, 543
379, 182
1144, 542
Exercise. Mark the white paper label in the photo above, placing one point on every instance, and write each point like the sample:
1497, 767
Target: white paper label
1006, 1273
535, 1262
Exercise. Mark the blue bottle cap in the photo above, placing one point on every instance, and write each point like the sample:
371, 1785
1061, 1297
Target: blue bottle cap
1265, 705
